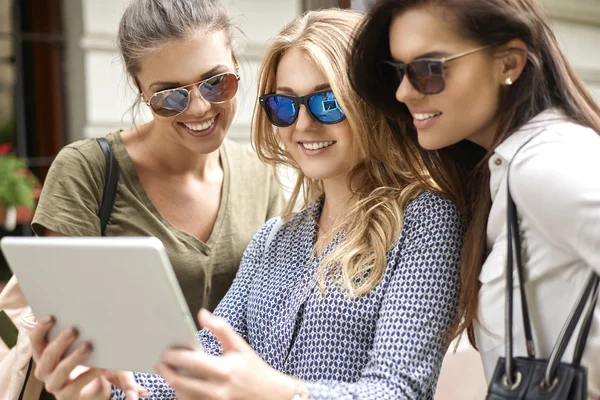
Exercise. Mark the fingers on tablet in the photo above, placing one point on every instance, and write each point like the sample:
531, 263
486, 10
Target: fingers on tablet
54, 352
38, 336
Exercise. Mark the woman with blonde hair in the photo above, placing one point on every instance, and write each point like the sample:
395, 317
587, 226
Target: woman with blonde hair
353, 296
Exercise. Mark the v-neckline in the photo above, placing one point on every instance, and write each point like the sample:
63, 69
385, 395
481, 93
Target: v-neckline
126, 164
314, 213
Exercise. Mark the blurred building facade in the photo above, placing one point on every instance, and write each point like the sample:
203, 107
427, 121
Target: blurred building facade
98, 94
72, 83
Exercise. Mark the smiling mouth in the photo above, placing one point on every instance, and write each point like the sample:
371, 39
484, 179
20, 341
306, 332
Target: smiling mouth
425, 116
317, 145
200, 127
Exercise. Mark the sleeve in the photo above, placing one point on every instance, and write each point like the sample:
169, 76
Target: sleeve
417, 311
556, 185
277, 198
232, 308
71, 195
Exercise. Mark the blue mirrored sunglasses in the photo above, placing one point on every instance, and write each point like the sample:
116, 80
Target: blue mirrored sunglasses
282, 109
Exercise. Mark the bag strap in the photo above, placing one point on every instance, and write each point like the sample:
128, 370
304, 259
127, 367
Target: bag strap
590, 291
111, 179
585, 329
514, 238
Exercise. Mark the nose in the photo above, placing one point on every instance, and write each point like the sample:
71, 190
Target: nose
304, 122
406, 92
198, 105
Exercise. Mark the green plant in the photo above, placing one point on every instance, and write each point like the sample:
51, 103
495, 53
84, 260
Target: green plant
17, 184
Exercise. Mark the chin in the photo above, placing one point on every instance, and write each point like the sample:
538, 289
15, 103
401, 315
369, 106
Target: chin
317, 174
324, 171
206, 145
431, 142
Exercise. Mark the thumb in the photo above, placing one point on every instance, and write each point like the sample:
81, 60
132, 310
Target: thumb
229, 338
126, 381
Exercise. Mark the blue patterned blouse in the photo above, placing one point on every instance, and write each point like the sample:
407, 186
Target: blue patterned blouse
388, 344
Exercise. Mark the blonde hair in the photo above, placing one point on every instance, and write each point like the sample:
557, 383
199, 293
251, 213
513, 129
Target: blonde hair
372, 220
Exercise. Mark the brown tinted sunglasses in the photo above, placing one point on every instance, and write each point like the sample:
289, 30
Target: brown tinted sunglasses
216, 89
426, 75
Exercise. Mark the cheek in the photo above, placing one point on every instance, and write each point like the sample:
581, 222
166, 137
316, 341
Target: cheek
471, 102
285, 134
342, 132
231, 107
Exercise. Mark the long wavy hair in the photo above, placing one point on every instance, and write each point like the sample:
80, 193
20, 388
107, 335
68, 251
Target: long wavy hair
382, 181
548, 81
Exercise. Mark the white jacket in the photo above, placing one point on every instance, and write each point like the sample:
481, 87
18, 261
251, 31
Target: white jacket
555, 183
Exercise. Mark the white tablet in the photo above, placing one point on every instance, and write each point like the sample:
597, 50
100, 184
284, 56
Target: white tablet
120, 293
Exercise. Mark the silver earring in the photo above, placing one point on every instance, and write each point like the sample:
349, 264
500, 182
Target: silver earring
508, 81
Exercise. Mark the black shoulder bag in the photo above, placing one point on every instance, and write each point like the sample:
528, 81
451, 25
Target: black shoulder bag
531, 378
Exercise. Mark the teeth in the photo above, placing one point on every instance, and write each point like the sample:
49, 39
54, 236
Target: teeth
201, 127
421, 117
316, 146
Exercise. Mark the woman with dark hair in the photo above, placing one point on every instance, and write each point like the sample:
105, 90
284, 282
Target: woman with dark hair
477, 87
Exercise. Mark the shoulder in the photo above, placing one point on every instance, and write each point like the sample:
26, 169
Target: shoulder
242, 155
430, 206
262, 236
80, 154
566, 138
88, 149
247, 169
431, 217
562, 158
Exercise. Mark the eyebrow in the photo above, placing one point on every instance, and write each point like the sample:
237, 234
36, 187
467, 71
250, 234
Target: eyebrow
177, 84
286, 89
431, 54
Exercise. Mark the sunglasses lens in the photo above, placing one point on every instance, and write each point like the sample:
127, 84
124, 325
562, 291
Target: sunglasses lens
280, 110
391, 72
220, 88
168, 104
325, 108
427, 76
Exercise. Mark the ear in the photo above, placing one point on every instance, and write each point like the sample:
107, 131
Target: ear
512, 59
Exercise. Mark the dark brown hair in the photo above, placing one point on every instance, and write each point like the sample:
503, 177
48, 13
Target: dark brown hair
548, 81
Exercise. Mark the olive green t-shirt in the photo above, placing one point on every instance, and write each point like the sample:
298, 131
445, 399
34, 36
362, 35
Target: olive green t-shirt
250, 196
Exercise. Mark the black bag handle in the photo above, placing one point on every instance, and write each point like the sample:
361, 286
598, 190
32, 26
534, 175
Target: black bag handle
111, 179
590, 291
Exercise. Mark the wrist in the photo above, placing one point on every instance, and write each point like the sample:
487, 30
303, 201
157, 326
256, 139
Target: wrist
291, 388
300, 390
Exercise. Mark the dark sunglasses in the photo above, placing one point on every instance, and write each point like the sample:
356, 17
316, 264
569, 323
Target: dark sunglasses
282, 109
216, 89
426, 75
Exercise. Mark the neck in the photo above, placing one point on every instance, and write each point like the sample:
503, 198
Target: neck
337, 195
485, 136
173, 158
